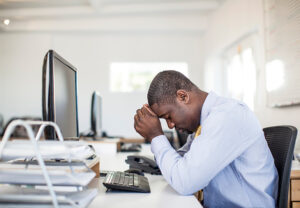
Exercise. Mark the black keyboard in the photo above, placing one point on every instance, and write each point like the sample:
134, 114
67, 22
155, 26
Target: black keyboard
126, 181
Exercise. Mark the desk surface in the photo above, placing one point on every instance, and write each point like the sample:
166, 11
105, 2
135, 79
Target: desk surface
162, 195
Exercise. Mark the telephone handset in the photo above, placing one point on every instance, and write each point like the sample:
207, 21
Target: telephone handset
143, 163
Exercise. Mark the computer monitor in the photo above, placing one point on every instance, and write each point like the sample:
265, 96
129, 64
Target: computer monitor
96, 115
59, 95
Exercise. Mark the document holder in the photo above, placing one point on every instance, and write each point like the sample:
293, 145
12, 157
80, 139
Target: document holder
37, 153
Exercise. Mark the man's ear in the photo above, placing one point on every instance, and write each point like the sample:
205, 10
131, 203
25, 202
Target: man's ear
182, 96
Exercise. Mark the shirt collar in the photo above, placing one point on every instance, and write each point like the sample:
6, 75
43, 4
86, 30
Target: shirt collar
207, 105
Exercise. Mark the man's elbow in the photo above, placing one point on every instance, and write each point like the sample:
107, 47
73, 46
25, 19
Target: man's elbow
184, 191
187, 188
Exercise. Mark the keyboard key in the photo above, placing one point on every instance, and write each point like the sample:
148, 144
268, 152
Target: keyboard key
122, 179
130, 183
136, 181
109, 178
126, 180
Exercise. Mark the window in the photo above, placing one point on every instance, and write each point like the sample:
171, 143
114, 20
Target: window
137, 76
275, 75
241, 75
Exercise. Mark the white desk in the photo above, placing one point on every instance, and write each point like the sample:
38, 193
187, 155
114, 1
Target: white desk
162, 195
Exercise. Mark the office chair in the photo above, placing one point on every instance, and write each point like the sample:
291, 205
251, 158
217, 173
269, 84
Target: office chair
19, 131
281, 141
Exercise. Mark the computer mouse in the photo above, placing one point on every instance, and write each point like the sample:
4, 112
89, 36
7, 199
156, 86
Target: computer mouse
135, 170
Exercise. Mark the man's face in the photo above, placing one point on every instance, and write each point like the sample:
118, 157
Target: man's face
178, 115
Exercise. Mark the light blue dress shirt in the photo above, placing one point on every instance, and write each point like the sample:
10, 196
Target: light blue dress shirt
230, 159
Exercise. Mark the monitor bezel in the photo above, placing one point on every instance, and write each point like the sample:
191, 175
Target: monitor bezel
48, 88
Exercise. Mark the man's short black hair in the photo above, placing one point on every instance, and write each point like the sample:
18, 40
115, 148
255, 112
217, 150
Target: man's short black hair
165, 85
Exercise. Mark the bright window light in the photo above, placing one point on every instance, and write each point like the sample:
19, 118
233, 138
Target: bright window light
241, 77
137, 76
6, 21
234, 74
274, 75
249, 77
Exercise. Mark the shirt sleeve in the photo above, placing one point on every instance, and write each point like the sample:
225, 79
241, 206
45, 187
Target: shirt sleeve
222, 140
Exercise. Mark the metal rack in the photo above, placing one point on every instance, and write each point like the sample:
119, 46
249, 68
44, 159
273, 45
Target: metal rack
34, 139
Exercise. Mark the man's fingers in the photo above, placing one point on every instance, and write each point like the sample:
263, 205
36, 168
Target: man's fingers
136, 123
145, 112
136, 119
140, 113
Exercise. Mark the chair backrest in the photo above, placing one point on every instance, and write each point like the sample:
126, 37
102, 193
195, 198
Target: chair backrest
281, 141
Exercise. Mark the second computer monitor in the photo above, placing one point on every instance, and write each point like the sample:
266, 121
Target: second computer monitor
96, 115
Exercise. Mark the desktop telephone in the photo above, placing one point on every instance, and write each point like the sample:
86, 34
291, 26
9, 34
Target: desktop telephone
145, 164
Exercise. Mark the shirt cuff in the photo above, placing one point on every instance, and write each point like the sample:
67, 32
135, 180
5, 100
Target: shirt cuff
158, 143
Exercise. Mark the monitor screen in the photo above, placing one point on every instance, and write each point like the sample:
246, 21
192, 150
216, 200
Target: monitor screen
60, 95
96, 115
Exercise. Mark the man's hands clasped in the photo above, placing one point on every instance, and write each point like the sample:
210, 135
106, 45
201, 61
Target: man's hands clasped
147, 124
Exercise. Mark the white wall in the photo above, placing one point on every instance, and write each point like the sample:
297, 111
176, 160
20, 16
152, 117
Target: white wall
233, 20
21, 55
21, 58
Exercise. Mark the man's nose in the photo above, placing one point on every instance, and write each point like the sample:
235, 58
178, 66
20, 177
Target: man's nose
171, 125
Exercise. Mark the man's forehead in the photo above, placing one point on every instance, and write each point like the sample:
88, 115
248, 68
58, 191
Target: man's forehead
161, 108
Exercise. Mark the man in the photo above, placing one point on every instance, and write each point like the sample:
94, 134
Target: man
230, 159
